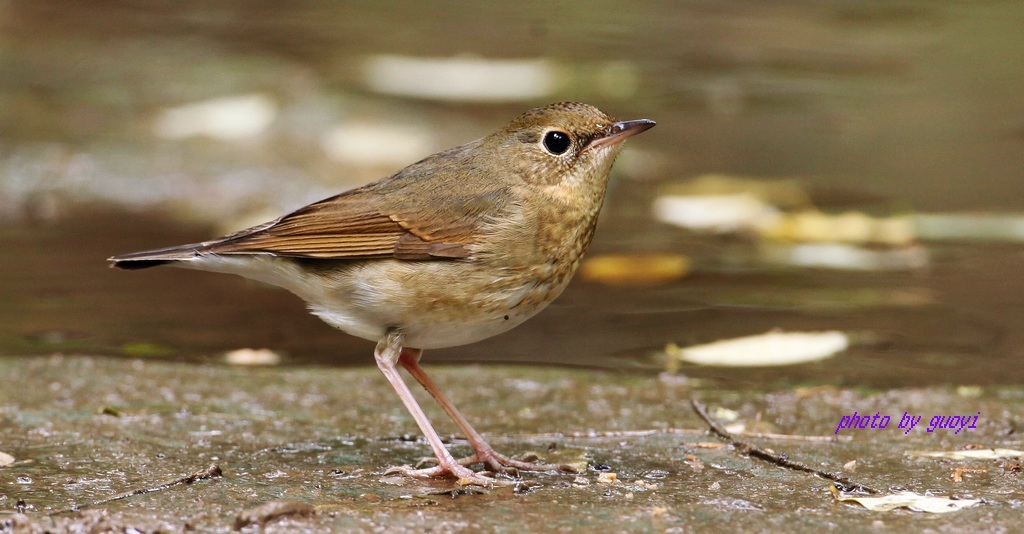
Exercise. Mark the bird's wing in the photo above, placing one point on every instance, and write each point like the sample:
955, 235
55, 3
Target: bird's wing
425, 212
353, 225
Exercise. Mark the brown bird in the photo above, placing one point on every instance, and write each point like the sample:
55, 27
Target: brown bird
458, 247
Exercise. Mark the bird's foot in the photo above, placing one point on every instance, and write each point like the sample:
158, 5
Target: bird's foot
499, 463
465, 475
496, 462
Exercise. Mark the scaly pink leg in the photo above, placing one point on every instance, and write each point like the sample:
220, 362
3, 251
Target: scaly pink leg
483, 452
387, 353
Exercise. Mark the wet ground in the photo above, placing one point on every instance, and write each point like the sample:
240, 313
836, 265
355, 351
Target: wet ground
114, 381
86, 429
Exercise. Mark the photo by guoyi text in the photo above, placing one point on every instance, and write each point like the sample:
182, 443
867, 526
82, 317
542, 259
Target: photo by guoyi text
908, 422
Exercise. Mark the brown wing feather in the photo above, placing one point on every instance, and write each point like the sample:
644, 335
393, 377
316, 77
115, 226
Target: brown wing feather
416, 214
450, 228
344, 227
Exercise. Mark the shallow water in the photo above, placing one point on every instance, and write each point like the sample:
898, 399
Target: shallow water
954, 322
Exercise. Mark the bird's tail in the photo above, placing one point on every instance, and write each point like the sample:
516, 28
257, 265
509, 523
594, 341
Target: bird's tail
152, 258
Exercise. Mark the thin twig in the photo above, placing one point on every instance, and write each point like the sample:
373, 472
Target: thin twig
657, 431
795, 437
780, 460
211, 471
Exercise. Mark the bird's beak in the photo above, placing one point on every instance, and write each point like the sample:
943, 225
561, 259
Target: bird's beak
620, 131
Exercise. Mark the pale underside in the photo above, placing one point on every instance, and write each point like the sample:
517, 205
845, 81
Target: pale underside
435, 304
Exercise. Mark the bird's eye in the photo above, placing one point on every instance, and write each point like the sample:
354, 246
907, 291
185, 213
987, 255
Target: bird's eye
556, 142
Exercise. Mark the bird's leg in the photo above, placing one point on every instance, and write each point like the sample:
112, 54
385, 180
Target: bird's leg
482, 451
387, 353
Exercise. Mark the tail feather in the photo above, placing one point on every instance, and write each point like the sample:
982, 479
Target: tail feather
164, 256
152, 258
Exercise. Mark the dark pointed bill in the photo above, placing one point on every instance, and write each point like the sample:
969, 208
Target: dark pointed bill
620, 131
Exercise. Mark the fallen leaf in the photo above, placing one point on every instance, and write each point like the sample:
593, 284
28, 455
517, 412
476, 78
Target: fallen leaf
909, 500
813, 226
230, 118
973, 454
715, 213
252, 357
846, 256
772, 348
633, 270
461, 78
366, 143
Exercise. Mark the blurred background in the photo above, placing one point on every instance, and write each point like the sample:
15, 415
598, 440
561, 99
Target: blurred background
845, 165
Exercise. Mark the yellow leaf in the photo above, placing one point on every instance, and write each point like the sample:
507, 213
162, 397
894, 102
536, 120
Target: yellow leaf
632, 270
